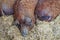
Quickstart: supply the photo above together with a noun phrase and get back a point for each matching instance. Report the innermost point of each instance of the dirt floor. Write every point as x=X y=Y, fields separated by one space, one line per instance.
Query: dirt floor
x=42 y=31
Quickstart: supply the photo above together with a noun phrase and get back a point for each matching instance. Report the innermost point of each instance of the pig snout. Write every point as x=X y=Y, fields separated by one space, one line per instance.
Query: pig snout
x=24 y=31
x=26 y=26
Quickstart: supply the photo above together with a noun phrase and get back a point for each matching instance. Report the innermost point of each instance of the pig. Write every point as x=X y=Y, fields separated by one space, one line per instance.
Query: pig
x=47 y=10
x=7 y=6
x=24 y=15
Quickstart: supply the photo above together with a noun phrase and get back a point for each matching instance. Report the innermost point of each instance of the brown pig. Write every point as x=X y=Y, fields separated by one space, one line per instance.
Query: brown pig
x=7 y=6
x=24 y=15
x=47 y=10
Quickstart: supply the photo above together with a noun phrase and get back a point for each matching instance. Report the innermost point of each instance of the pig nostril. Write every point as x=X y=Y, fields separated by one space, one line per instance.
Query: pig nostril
x=45 y=17
x=28 y=21
x=24 y=32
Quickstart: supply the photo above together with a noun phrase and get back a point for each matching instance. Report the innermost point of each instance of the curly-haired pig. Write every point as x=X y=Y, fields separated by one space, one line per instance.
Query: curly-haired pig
x=24 y=15
x=47 y=10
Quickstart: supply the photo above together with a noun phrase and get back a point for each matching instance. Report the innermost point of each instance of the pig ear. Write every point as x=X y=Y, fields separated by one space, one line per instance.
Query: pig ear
x=16 y=22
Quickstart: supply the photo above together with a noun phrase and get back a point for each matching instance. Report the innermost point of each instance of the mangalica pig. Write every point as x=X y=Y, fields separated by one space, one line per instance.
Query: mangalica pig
x=47 y=10
x=24 y=15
